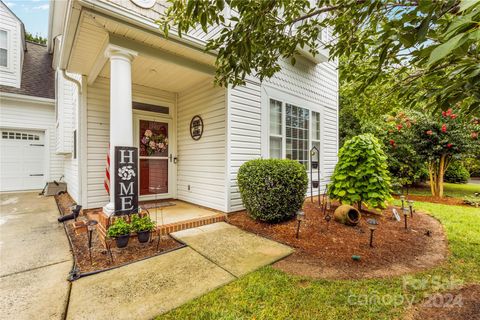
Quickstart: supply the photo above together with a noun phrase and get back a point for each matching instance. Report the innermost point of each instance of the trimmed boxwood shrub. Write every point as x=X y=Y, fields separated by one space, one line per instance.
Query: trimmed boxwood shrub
x=272 y=190
x=457 y=173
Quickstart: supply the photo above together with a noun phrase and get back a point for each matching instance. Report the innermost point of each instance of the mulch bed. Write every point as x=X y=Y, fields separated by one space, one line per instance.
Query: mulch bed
x=445 y=200
x=101 y=260
x=323 y=252
x=461 y=304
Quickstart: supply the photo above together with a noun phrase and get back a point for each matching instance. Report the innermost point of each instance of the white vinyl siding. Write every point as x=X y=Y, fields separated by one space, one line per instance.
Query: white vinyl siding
x=245 y=133
x=98 y=132
x=11 y=74
x=69 y=124
x=314 y=84
x=66 y=106
x=201 y=164
x=24 y=115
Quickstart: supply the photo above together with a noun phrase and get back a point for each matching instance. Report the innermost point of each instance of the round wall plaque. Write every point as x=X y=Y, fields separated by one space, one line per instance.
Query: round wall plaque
x=146 y=4
x=196 y=127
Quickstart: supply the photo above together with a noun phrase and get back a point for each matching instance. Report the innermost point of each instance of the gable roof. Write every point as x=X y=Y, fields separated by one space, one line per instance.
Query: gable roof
x=22 y=26
x=38 y=76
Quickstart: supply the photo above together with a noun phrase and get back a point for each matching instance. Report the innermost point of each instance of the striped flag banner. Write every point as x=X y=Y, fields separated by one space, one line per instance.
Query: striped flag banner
x=106 y=181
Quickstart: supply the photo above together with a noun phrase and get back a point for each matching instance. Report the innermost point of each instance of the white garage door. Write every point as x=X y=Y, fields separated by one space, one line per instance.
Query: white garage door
x=22 y=160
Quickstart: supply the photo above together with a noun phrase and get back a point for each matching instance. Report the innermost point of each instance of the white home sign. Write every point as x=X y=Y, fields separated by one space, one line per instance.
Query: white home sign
x=126 y=180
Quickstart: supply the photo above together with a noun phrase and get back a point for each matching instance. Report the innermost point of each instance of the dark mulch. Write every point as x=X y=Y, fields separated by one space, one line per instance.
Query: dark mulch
x=445 y=200
x=323 y=252
x=101 y=260
x=461 y=304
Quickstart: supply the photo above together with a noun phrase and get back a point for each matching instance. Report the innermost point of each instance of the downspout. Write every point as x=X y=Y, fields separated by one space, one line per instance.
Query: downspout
x=79 y=159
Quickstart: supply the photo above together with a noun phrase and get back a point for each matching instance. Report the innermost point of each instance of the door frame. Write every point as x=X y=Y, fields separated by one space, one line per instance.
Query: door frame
x=172 y=138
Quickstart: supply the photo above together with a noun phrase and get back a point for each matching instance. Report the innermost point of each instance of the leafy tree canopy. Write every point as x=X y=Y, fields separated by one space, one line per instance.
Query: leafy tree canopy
x=432 y=46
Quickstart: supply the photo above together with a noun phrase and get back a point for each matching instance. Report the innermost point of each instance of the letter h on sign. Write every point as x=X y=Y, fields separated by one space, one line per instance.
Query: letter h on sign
x=126 y=180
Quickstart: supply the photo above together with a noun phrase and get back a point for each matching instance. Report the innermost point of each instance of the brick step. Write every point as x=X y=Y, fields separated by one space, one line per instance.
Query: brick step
x=163 y=229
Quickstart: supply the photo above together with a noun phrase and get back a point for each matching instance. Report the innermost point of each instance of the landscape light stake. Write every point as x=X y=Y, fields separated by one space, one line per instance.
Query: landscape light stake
x=402 y=198
x=328 y=217
x=405 y=214
x=300 y=218
x=410 y=205
x=91 y=225
x=372 y=225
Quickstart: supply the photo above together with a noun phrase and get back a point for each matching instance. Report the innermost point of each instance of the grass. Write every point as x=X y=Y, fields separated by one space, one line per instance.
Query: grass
x=450 y=189
x=272 y=294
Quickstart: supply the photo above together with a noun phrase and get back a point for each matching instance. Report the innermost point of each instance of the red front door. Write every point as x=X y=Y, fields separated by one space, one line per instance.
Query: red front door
x=154 y=154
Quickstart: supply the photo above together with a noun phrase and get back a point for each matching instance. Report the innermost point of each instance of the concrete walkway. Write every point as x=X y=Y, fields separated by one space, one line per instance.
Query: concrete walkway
x=34 y=258
x=35 y=261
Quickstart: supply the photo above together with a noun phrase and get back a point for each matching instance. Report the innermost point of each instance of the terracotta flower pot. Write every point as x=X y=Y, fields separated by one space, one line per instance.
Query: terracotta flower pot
x=347 y=214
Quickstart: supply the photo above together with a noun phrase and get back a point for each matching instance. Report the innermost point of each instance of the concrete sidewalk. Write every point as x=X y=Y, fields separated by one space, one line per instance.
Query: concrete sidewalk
x=34 y=258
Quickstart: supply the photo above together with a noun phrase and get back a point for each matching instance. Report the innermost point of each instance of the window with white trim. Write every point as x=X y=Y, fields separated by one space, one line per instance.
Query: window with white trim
x=294 y=130
x=276 y=132
x=3 y=48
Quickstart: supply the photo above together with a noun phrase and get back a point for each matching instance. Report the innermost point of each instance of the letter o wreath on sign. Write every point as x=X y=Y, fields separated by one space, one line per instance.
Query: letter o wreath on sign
x=196 y=127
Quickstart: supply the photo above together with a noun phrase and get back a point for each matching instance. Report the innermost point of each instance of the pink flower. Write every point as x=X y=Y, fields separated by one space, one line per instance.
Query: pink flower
x=148 y=133
x=449 y=145
x=453 y=116
x=449 y=112
x=474 y=135
x=444 y=114
x=429 y=132
x=152 y=144
x=444 y=128
x=144 y=140
x=392 y=142
x=399 y=127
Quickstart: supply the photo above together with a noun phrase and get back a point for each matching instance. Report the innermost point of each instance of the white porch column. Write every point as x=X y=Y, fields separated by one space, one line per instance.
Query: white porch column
x=121 y=120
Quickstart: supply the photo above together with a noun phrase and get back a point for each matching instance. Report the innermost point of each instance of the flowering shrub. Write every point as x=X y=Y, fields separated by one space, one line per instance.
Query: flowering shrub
x=436 y=139
x=154 y=143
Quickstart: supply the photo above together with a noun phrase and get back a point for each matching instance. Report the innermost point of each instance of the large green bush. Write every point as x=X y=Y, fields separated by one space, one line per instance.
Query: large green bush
x=272 y=190
x=361 y=174
x=457 y=173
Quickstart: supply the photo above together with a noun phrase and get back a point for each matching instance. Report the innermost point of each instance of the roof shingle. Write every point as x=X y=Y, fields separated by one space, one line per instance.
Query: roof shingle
x=38 y=76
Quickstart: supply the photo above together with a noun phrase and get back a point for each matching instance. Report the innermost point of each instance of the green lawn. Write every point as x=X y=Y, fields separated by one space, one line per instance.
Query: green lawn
x=450 y=189
x=272 y=294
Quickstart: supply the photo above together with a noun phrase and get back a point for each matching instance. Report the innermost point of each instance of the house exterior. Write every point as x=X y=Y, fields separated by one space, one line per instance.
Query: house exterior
x=27 y=110
x=119 y=82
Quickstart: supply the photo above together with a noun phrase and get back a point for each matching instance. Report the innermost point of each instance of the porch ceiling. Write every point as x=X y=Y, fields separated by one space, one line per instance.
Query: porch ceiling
x=160 y=63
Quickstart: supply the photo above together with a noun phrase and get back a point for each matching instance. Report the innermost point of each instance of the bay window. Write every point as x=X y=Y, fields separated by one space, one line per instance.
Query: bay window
x=294 y=130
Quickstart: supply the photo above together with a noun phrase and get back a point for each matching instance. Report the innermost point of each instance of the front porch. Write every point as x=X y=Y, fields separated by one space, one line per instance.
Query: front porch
x=136 y=83
x=169 y=216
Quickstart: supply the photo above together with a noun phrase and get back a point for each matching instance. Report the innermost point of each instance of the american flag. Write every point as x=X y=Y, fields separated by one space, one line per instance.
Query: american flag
x=106 y=181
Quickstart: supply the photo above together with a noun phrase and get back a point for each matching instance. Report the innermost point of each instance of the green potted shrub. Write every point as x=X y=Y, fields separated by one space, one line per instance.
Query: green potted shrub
x=120 y=231
x=143 y=226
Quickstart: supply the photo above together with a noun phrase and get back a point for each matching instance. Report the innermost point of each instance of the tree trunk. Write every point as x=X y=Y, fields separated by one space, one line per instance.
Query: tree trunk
x=359 y=205
x=441 y=173
x=432 y=179
x=436 y=172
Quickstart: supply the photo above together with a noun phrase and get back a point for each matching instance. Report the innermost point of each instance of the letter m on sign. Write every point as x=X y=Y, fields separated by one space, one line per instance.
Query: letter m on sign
x=126 y=180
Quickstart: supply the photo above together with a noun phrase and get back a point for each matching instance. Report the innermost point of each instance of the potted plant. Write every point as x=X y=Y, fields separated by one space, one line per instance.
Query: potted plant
x=143 y=226
x=120 y=231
